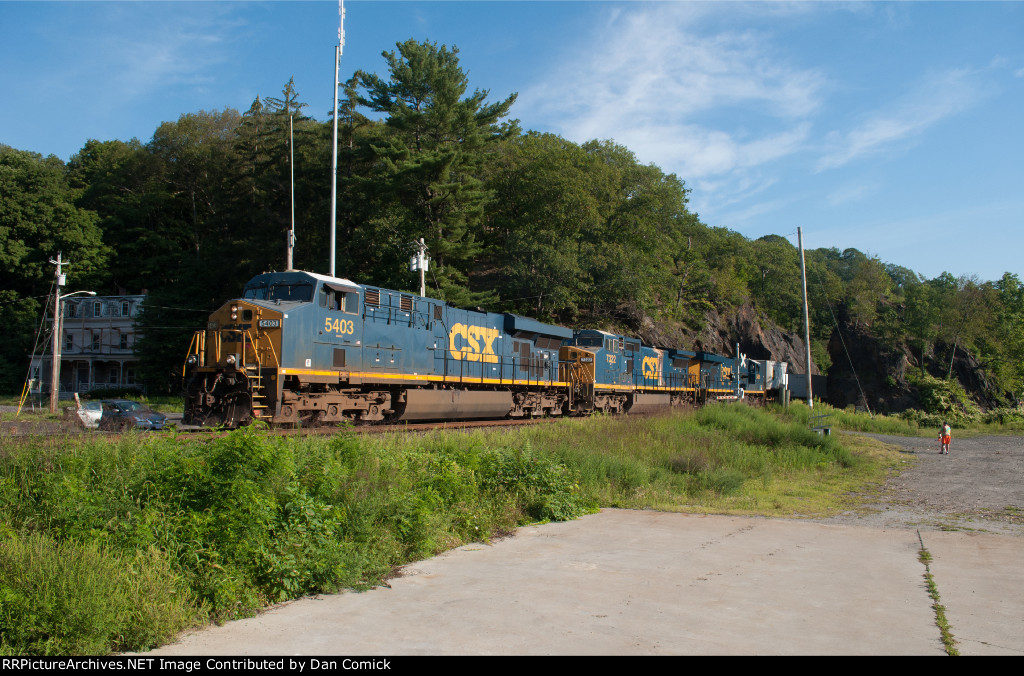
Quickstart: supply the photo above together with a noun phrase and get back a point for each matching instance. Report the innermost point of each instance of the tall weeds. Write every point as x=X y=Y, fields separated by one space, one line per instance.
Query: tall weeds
x=226 y=526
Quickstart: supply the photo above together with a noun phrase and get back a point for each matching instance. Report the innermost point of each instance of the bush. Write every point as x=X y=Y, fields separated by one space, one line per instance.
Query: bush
x=545 y=489
x=70 y=598
x=945 y=400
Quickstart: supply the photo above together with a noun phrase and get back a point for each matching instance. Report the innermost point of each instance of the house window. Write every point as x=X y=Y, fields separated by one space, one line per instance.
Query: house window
x=69 y=341
x=73 y=310
x=129 y=377
x=112 y=379
x=124 y=341
x=126 y=307
x=97 y=309
x=96 y=340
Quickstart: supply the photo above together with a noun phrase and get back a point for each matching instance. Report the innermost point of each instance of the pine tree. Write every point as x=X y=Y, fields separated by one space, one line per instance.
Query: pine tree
x=430 y=162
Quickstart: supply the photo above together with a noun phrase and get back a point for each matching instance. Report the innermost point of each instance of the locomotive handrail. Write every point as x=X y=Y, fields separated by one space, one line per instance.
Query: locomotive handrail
x=201 y=351
x=256 y=348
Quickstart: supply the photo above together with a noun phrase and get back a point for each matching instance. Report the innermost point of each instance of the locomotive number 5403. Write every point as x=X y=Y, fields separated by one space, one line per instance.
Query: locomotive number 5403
x=338 y=326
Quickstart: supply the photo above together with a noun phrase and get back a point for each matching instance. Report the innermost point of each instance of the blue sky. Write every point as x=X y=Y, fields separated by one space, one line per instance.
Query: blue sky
x=894 y=128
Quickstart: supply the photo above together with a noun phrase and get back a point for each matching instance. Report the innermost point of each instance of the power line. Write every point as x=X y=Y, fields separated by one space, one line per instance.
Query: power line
x=843 y=341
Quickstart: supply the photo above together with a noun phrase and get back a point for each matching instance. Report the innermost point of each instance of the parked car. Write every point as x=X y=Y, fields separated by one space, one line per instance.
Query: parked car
x=122 y=414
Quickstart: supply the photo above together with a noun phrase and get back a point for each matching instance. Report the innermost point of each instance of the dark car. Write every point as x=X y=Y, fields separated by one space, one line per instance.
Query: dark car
x=122 y=414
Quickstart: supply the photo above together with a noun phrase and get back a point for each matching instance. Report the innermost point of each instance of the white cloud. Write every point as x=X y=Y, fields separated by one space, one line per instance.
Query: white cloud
x=852 y=192
x=146 y=49
x=935 y=99
x=653 y=81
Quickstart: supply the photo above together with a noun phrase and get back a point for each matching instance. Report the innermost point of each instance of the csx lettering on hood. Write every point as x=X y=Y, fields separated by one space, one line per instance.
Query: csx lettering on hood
x=472 y=343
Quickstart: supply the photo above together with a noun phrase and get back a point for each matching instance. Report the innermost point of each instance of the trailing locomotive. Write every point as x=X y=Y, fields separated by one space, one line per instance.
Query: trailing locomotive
x=299 y=348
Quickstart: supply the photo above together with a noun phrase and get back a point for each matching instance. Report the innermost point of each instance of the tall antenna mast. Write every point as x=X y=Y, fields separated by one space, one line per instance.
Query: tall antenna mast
x=291 y=162
x=334 y=146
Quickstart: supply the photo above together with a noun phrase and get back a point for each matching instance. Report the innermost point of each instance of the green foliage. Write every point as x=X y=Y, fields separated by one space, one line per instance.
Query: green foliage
x=430 y=163
x=128 y=392
x=38 y=221
x=793 y=443
x=586 y=233
x=945 y=399
x=71 y=598
x=546 y=490
x=227 y=525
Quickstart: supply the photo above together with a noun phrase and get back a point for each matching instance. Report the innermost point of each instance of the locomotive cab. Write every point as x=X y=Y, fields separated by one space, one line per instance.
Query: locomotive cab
x=232 y=365
x=237 y=367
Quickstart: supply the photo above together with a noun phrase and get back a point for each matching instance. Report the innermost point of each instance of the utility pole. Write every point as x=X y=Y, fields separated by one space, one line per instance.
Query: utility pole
x=58 y=329
x=420 y=262
x=55 y=352
x=807 y=317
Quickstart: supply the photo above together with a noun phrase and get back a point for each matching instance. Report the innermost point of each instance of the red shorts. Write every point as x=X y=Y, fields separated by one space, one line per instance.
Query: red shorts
x=946 y=439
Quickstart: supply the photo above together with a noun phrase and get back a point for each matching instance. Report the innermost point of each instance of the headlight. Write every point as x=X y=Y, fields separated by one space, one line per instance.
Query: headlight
x=193 y=359
x=230 y=361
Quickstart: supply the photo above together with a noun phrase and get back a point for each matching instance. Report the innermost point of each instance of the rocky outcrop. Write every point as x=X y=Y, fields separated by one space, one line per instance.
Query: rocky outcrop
x=878 y=377
x=880 y=369
x=757 y=336
x=968 y=370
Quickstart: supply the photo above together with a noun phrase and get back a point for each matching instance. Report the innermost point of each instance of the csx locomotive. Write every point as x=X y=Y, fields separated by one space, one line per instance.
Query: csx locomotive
x=303 y=349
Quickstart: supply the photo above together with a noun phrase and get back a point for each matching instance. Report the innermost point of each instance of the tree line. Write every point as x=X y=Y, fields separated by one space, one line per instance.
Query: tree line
x=514 y=220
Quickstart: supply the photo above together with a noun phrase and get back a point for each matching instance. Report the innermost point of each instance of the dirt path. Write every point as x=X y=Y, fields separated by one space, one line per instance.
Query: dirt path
x=978 y=486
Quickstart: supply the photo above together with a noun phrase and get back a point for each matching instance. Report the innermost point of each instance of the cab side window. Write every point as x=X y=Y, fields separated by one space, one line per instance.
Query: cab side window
x=340 y=301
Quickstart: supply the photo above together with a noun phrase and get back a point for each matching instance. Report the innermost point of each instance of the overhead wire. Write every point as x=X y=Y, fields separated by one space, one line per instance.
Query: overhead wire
x=849 y=359
x=35 y=348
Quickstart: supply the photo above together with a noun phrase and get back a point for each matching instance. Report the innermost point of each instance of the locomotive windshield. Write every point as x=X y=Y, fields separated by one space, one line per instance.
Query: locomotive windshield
x=590 y=341
x=301 y=292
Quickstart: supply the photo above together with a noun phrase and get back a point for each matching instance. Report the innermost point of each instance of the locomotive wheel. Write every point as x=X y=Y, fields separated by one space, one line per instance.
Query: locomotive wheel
x=310 y=418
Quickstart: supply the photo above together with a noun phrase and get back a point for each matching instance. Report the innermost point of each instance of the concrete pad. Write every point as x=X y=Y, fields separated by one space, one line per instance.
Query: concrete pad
x=980 y=579
x=625 y=583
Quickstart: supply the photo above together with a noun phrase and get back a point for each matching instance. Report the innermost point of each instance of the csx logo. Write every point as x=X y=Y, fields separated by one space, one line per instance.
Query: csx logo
x=652 y=367
x=472 y=343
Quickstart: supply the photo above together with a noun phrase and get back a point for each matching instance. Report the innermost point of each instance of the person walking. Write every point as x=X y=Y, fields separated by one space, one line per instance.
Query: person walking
x=944 y=438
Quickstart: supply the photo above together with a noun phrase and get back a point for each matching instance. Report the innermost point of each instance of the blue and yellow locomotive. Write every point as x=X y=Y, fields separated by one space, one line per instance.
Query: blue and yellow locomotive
x=302 y=348
x=299 y=348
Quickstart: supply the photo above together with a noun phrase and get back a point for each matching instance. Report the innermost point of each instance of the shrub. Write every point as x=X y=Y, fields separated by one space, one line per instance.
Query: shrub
x=545 y=489
x=70 y=598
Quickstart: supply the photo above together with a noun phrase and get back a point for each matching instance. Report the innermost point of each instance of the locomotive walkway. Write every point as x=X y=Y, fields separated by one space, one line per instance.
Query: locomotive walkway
x=643 y=583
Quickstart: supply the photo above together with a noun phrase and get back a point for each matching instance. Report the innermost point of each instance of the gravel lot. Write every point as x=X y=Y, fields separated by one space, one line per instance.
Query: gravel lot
x=978 y=486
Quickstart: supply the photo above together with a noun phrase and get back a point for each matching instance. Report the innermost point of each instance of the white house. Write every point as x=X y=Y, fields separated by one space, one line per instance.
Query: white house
x=97 y=345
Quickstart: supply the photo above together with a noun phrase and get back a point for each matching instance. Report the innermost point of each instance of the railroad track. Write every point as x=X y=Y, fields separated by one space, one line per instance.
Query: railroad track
x=28 y=428
x=397 y=427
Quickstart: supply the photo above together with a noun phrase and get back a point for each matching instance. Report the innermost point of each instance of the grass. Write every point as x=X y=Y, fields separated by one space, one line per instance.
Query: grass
x=941 y=621
x=721 y=459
